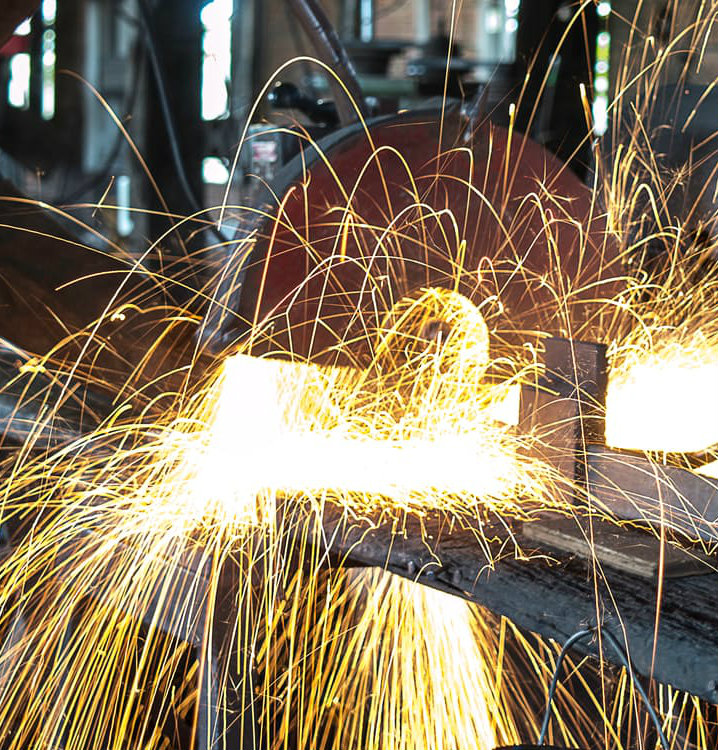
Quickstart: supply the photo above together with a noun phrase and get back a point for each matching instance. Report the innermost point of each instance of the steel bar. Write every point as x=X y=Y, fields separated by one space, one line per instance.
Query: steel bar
x=635 y=488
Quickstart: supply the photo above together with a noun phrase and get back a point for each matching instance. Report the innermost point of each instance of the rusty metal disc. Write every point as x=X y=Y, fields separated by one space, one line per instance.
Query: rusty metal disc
x=370 y=215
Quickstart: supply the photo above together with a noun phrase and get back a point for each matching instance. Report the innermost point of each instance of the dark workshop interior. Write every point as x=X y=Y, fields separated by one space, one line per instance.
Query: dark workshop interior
x=358 y=374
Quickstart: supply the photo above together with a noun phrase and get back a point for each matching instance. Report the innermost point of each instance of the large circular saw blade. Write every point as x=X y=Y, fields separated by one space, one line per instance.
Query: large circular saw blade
x=373 y=213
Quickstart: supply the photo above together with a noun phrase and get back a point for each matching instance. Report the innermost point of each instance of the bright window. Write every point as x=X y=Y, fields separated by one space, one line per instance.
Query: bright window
x=217 y=58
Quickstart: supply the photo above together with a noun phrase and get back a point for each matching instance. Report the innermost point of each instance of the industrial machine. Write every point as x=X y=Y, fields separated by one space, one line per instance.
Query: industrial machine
x=470 y=198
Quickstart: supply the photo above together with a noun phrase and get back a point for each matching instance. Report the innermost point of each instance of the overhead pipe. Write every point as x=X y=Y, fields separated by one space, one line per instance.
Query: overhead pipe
x=332 y=53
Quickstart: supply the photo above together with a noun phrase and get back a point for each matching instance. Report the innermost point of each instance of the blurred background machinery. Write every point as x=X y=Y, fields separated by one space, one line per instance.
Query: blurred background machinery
x=181 y=77
x=201 y=65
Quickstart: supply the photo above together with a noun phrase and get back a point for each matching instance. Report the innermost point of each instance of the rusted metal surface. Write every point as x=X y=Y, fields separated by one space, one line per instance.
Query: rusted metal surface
x=12 y=13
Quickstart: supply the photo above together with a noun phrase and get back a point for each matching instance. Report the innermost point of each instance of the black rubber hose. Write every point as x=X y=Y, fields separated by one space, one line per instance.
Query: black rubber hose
x=332 y=53
x=623 y=660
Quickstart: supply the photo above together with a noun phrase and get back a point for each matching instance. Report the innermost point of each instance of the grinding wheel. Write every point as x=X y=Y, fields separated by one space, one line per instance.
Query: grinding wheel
x=488 y=213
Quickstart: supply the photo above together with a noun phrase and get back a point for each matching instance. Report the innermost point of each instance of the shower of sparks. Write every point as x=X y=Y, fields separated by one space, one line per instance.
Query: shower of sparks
x=160 y=554
x=416 y=430
x=140 y=517
x=377 y=693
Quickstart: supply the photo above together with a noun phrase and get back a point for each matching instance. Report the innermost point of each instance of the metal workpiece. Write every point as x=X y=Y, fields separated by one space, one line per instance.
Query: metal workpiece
x=554 y=593
x=565 y=409
x=635 y=488
x=563 y=415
